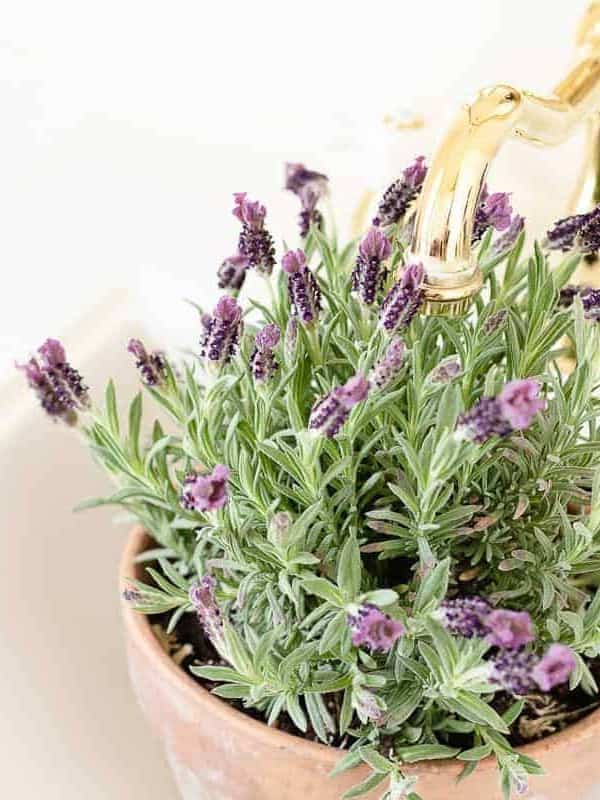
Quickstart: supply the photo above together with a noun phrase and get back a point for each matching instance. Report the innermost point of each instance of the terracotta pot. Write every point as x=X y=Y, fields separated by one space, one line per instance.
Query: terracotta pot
x=218 y=753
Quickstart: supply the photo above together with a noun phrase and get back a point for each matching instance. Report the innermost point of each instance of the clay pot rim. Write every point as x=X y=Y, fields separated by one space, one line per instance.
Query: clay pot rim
x=137 y=626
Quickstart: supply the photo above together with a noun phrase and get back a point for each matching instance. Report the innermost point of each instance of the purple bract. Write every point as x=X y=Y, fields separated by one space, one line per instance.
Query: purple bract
x=206 y=492
x=398 y=197
x=374 y=629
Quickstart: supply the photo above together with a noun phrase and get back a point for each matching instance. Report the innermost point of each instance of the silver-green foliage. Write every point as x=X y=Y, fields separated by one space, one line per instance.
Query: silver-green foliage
x=391 y=511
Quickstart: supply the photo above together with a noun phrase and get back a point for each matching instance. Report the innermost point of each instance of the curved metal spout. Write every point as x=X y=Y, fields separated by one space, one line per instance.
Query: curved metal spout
x=449 y=199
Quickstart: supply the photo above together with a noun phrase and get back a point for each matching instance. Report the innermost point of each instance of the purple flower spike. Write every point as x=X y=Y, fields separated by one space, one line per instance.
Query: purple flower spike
x=465 y=616
x=513 y=671
x=250 y=213
x=232 y=272
x=262 y=361
x=483 y=421
x=590 y=299
x=310 y=187
x=331 y=412
x=58 y=386
x=403 y=301
x=303 y=289
x=373 y=629
x=151 y=366
x=255 y=242
x=495 y=322
x=369 y=277
x=398 y=197
x=519 y=402
x=515 y=408
x=206 y=492
x=580 y=232
x=298 y=177
x=555 y=667
x=222 y=331
x=387 y=369
x=354 y=391
x=494 y=211
x=446 y=371
x=508 y=239
x=268 y=338
x=202 y=597
x=509 y=630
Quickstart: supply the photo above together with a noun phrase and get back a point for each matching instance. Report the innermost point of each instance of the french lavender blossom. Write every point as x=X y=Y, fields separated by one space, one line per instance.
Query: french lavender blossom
x=446 y=371
x=509 y=238
x=465 y=616
x=310 y=187
x=298 y=177
x=555 y=667
x=509 y=630
x=58 y=386
x=513 y=409
x=590 y=300
x=374 y=629
x=303 y=289
x=151 y=366
x=255 y=242
x=398 y=197
x=493 y=211
x=513 y=671
x=263 y=363
x=206 y=492
x=495 y=322
x=403 y=300
x=232 y=272
x=331 y=412
x=369 y=275
x=519 y=402
x=520 y=672
x=384 y=372
x=202 y=597
x=483 y=421
x=579 y=232
x=222 y=331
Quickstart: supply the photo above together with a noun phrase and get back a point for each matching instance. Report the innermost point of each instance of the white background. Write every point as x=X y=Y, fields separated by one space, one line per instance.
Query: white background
x=125 y=127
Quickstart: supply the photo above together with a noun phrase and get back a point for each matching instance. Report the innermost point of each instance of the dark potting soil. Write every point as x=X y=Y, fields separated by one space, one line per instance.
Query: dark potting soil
x=189 y=647
x=543 y=715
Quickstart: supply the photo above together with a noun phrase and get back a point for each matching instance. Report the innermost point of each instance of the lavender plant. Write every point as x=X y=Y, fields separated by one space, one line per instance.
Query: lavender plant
x=387 y=525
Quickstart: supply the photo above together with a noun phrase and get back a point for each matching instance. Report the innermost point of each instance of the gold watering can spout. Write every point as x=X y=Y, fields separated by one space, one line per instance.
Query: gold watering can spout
x=450 y=195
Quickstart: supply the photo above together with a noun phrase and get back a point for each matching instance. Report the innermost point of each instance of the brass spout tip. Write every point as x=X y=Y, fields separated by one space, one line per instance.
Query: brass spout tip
x=437 y=307
x=449 y=288
x=454 y=297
